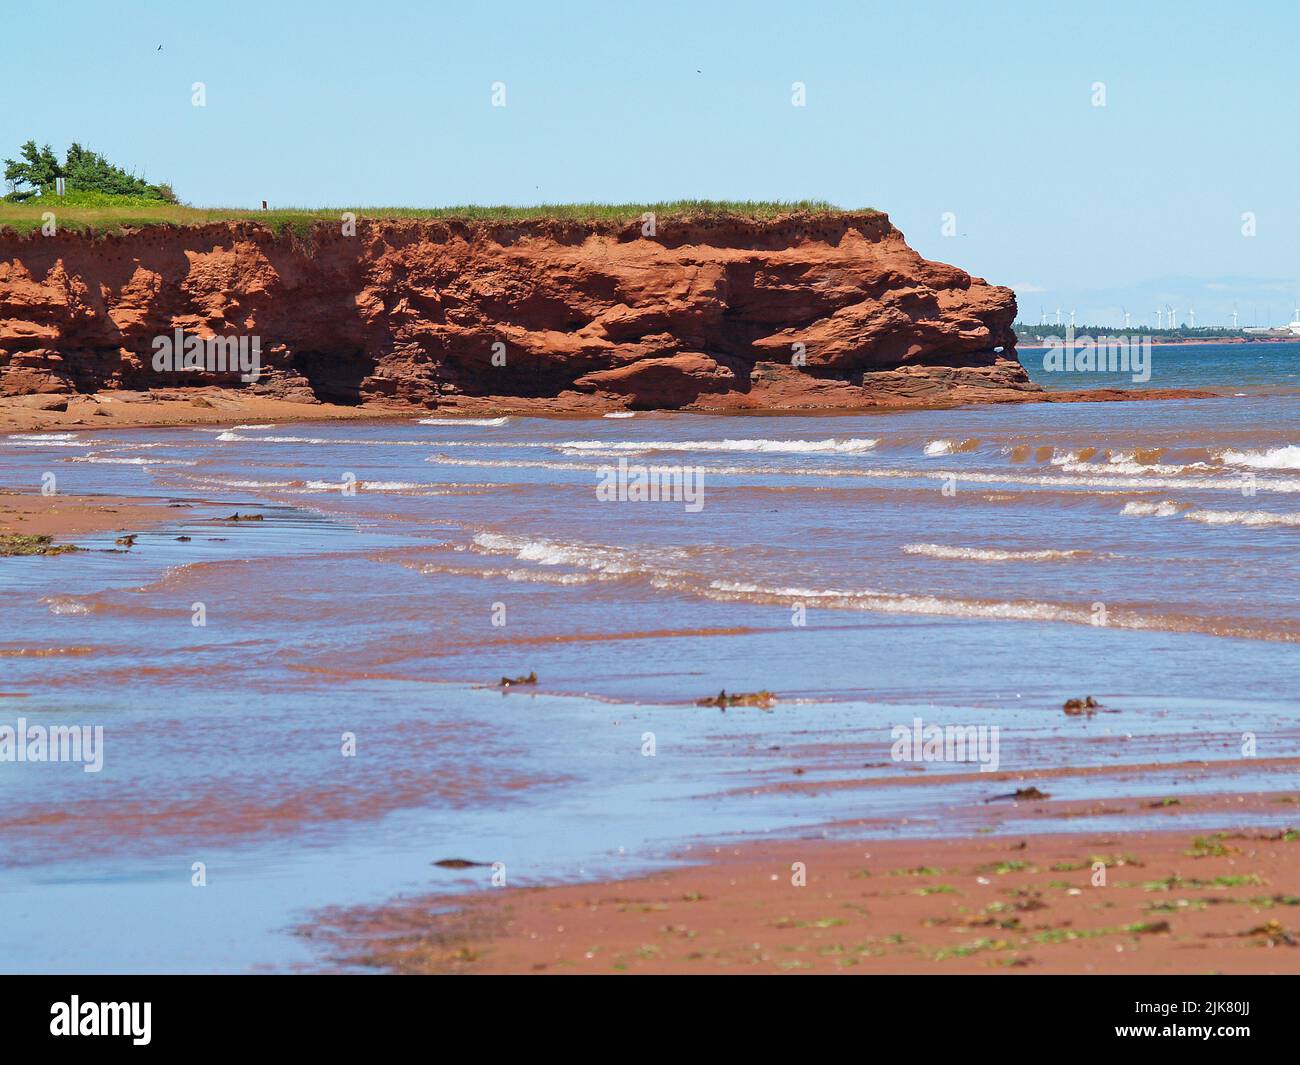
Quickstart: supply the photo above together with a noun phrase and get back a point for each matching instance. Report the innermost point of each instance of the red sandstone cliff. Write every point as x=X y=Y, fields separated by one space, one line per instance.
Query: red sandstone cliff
x=705 y=315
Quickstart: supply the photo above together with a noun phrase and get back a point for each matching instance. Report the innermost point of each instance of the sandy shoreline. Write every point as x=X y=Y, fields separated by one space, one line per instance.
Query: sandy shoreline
x=215 y=406
x=203 y=406
x=1099 y=902
x=65 y=516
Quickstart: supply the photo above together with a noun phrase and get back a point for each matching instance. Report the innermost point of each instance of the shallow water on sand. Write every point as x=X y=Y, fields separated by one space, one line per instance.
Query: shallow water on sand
x=975 y=566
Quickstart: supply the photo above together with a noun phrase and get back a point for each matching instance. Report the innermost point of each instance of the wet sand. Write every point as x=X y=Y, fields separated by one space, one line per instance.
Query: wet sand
x=137 y=410
x=218 y=406
x=1106 y=902
x=65 y=516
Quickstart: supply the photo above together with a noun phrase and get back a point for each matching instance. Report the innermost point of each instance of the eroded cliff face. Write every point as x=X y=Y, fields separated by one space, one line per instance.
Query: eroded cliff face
x=806 y=311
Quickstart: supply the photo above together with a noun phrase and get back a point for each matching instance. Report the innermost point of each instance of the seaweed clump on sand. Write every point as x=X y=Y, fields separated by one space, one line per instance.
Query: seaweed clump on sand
x=1078 y=707
x=1273 y=933
x=763 y=699
x=15 y=545
x=510 y=682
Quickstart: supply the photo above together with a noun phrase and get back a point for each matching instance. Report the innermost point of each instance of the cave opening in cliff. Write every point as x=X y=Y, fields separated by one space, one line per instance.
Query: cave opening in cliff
x=334 y=377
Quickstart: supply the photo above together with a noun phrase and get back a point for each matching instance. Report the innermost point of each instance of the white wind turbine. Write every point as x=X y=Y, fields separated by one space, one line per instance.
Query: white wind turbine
x=1160 y=322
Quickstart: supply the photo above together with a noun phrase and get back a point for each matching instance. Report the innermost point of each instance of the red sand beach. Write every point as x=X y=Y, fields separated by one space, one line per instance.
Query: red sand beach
x=1171 y=902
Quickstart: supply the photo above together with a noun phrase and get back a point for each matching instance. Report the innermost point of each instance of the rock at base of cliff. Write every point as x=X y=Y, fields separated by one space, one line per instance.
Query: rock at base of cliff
x=670 y=382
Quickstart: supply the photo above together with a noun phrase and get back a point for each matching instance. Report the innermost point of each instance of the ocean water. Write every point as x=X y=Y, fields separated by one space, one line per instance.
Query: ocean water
x=975 y=566
x=1250 y=369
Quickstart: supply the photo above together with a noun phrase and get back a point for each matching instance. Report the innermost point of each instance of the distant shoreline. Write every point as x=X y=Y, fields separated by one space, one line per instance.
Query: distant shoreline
x=1155 y=342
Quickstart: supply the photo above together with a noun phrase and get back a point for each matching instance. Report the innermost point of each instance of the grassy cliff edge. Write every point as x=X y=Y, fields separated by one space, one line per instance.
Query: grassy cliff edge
x=100 y=213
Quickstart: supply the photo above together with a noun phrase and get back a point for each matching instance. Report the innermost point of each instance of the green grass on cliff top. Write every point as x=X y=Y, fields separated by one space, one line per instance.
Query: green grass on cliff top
x=108 y=214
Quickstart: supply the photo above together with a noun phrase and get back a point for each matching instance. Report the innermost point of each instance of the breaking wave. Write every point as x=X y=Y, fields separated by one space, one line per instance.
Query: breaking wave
x=63 y=605
x=464 y=421
x=608 y=560
x=853 y=446
x=100 y=460
x=1241 y=517
x=1004 y=610
x=1166 y=509
x=985 y=554
x=949 y=447
x=1277 y=458
x=671 y=573
x=1169 y=509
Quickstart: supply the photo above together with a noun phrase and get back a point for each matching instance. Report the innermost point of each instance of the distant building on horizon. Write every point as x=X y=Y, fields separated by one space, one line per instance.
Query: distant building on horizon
x=1291 y=329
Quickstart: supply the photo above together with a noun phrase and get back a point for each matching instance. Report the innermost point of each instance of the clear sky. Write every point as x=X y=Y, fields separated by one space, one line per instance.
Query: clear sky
x=917 y=108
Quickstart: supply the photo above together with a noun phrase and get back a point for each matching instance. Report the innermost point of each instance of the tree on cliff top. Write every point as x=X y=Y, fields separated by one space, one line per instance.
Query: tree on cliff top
x=84 y=171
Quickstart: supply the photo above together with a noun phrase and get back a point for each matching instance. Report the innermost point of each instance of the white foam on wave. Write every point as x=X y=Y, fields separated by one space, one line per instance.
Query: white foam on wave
x=335 y=487
x=1123 y=463
x=1109 y=483
x=513 y=464
x=986 y=554
x=1009 y=610
x=620 y=414
x=100 y=460
x=531 y=576
x=229 y=436
x=46 y=440
x=949 y=447
x=1166 y=509
x=852 y=446
x=1101 y=476
x=612 y=563
x=373 y=486
x=1277 y=458
x=586 y=467
x=229 y=482
x=904 y=603
x=464 y=421
x=554 y=553
x=1241 y=517
x=268 y=425
x=61 y=605
x=615 y=562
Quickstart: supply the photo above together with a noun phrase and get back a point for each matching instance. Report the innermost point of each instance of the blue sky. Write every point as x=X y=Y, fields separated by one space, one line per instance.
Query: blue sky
x=916 y=108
